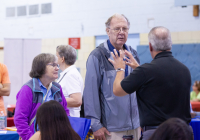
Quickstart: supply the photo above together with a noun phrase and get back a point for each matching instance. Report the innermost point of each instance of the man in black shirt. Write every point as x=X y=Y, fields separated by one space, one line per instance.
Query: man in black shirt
x=162 y=86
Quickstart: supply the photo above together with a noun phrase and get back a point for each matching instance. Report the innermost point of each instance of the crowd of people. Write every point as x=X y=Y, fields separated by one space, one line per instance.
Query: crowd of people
x=121 y=97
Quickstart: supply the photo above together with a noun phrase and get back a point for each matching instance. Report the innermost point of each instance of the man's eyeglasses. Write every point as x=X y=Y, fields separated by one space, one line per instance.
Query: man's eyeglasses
x=118 y=29
x=54 y=64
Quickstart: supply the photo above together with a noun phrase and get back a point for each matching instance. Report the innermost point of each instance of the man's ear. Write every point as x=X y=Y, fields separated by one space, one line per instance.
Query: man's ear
x=150 y=47
x=108 y=31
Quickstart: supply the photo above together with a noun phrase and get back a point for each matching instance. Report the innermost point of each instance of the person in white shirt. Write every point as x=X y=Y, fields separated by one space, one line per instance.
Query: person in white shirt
x=70 y=78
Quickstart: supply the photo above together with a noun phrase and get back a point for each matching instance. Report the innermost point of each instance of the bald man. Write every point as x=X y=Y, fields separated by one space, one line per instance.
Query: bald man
x=162 y=86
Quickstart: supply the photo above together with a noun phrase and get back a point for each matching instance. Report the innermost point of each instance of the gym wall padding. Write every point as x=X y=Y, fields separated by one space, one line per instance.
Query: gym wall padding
x=188 y=54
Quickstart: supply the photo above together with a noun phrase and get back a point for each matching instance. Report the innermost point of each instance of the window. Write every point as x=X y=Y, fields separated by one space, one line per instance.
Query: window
x=21 y=11
x=10 y=12
x=30 y=10
x=46 y=8
x=33 y=9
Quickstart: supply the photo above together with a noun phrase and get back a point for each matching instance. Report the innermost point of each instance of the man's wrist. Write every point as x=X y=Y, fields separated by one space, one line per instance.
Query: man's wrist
x=120 y=69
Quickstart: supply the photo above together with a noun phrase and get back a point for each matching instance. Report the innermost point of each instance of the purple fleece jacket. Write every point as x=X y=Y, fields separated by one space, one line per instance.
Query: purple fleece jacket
x=26 y=108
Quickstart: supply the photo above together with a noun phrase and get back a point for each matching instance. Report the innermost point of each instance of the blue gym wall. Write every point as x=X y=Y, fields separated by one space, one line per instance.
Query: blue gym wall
x=188 y=54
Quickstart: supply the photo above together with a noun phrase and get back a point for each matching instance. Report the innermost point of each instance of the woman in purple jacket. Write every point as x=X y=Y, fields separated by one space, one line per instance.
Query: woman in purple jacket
x=39 y=89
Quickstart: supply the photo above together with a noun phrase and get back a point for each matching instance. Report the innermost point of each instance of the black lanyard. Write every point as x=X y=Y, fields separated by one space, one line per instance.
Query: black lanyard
x=62 y=77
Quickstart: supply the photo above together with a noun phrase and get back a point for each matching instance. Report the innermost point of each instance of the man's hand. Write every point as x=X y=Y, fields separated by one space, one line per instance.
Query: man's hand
x=118 y=61
x=131 y=61
x=100 y=134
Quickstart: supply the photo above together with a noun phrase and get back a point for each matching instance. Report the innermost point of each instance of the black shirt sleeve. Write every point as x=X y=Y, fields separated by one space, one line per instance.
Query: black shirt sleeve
x=134 y=81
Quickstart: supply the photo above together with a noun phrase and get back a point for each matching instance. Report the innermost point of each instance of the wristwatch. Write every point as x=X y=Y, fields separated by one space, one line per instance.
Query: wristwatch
x=120 y=69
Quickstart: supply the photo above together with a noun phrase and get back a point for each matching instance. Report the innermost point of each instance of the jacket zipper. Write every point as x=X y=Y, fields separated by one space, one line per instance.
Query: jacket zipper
x=131 y=111
x=130 y=104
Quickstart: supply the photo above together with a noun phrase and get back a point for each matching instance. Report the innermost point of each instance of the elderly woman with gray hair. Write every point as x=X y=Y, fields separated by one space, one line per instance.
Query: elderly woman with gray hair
x=70 y=79
x=41 y=88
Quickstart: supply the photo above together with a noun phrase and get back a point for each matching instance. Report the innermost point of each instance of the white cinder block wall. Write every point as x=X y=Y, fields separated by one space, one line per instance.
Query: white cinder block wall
x=75 y=18
x=86 y=19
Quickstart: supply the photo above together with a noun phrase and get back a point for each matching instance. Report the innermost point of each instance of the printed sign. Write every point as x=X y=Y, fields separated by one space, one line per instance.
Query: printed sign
x=75 y=42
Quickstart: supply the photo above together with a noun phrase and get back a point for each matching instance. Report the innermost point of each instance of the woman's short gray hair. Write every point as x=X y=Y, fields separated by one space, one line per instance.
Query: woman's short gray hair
x=160 y=38
x=116 y=15
x=68 y=52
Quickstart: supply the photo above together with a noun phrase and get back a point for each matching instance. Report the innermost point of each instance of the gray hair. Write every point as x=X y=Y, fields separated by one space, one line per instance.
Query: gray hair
x=68 y=52
x=116 y=15
x=160 y=38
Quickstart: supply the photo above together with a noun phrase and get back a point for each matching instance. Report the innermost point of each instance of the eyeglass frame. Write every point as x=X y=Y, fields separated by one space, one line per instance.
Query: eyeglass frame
x=116 y=30
x=54 y=65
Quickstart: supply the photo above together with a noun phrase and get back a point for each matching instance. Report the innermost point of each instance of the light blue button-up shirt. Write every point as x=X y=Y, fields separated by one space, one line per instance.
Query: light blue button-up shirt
x=44 y=90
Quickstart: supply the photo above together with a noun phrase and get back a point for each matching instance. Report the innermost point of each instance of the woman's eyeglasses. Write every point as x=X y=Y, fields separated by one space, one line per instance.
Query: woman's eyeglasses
x=54 y=64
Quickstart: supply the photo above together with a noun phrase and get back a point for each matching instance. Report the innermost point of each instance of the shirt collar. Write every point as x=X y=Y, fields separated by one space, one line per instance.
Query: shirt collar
x=111 y=47
x=67 y=69
x=163 y=54
x=41 y=85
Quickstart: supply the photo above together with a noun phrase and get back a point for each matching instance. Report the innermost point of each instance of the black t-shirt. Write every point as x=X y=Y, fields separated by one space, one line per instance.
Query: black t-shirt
x=162 y=88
